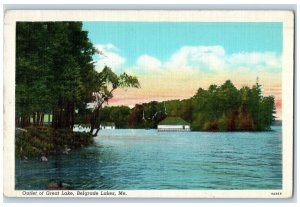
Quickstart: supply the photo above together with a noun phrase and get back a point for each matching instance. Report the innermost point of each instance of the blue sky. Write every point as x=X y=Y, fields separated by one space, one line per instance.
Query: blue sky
x=161 y=39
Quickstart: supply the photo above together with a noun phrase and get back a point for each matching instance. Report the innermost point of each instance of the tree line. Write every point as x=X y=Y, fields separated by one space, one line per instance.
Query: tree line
x=219 y=108
x=55 y=74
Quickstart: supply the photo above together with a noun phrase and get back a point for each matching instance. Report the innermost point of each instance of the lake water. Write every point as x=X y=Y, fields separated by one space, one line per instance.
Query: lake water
x=147 y=159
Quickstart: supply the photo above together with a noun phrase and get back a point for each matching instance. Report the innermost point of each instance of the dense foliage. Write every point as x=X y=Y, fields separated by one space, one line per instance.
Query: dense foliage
x=54 y=71
x=219 y=108
x=226 y=108
x=109 y=82
x=55 y=74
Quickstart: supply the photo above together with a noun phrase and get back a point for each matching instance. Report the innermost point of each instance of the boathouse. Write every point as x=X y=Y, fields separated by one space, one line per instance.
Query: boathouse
x=173 y=124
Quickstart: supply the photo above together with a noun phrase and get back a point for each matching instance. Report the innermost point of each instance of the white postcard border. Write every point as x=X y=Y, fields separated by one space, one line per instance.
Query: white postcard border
x=287 y=17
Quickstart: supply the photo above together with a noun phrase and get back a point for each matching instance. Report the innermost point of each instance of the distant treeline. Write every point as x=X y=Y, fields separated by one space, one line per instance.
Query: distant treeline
x=219 y=108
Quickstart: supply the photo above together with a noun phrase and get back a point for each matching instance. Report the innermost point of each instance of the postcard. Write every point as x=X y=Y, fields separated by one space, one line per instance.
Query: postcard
x=148 y=104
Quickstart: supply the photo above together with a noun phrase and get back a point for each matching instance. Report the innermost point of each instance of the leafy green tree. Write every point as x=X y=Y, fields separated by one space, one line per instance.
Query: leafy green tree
x=54 y=71
x=223 y=122
x=137 y=117
x=72 y=55
x=109 y=82
x=119 y=115
x=266 y=111
x=255 y=98
x=33 y=72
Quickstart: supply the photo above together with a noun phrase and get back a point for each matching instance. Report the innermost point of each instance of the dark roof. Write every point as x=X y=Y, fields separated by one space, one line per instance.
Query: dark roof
x=173 y=121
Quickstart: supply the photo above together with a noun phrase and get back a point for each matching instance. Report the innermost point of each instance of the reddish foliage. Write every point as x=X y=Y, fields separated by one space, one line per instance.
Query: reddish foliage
x=213 y=126
x=232 y=121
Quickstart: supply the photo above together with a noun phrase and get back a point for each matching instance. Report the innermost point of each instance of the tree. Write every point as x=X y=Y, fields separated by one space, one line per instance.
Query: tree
x=137 y=117
x=223 y=122
x=254 y=99
x=109 y=82
x=74 y=67
x=244 y=109
x=54 y=72
x=266 y=111
x=117 y=114
x=33 y=72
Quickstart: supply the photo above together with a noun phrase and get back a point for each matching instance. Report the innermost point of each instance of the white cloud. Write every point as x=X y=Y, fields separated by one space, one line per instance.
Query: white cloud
x=109 y=55
x=147 y=62
x=256 y=61
x=210 y=59
x=197 y=57
x=107 y=47
x=191 y=60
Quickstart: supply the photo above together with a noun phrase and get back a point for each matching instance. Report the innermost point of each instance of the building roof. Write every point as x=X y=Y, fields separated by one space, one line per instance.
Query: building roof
x=173 y=121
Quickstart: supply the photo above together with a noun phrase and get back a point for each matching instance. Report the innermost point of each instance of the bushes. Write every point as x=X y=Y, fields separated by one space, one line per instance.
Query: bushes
x=37 y=141
x=64 y=137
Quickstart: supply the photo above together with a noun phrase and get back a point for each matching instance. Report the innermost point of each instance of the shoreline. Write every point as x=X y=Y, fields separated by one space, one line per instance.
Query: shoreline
x=42 y=141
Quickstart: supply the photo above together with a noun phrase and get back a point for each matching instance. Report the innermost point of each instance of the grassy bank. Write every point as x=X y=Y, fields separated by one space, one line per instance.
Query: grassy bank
x=42 y=141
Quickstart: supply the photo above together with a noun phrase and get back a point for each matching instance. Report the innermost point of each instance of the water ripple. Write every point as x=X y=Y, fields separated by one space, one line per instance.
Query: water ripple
x=146 y=159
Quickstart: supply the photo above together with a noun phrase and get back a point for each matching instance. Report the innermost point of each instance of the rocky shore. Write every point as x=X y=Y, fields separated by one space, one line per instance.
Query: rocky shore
x=39 y=142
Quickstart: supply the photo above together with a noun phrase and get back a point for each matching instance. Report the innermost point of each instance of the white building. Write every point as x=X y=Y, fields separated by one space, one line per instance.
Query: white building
x=92 y=105
x=108 y=125
x=173 y=124
x=82 y=128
